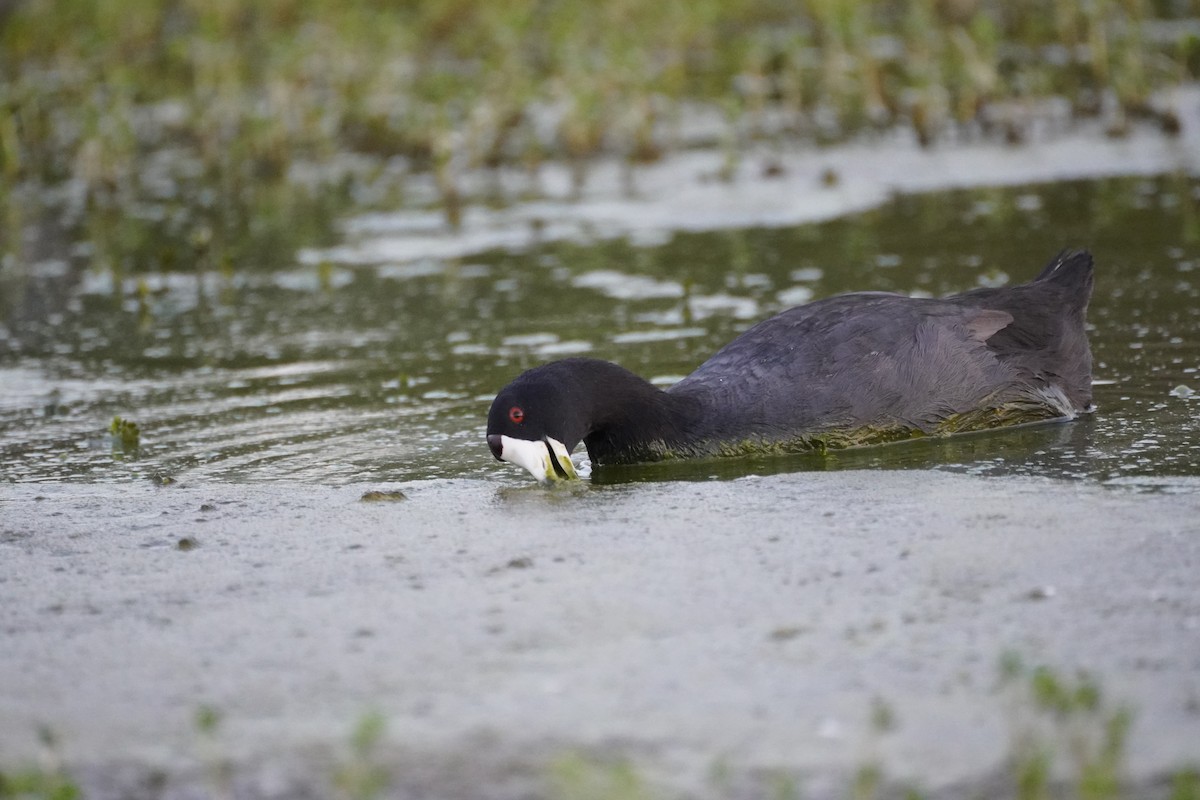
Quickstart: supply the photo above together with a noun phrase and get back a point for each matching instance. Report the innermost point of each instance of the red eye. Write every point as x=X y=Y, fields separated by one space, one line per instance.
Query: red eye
x=516 y=414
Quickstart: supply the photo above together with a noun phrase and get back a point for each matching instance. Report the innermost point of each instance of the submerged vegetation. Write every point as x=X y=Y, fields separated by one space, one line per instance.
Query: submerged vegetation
x=179 y=134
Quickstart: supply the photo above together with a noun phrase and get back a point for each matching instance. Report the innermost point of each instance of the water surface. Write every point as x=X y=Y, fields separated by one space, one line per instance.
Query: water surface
x=339 y=373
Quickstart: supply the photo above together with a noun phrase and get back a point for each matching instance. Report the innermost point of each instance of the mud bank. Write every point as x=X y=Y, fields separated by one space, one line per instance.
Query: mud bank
x=717 y=635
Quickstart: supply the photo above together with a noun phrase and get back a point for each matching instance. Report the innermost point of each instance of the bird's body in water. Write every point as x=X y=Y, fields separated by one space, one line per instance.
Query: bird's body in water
x=858 y=368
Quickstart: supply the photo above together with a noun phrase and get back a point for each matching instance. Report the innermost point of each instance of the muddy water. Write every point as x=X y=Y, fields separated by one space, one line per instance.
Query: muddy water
x=338 y=373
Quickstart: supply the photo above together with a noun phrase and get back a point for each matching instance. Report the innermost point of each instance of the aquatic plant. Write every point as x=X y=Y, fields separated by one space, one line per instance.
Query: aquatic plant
x=125 y=433
x=48 y=781
x=1055 y=715
x=1185 y=785
x=37 y=784
x=362 y=777
x=218 y=768
x=189 y=134
x=574 y=776
x=1070 y=720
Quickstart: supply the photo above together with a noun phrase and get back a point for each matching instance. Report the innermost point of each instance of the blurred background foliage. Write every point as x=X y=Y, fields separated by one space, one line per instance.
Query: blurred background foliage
x=171 y=133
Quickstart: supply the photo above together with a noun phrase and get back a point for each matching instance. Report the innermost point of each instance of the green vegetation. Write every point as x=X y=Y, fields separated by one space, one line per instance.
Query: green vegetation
x=1054 y=716
x=185 y=134
x=362 y=777
x=36 y=784
x=1186 y=785
x=575 y=777
x=218 y=768
x=125 y=434
x=1071 y=720
x=48 y=781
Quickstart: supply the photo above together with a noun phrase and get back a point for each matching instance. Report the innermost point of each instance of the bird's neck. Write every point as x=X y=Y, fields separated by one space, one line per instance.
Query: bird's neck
x=633 y=420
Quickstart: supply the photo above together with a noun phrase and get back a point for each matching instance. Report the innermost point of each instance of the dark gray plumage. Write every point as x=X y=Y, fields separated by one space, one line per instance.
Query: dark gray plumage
x=853 y=369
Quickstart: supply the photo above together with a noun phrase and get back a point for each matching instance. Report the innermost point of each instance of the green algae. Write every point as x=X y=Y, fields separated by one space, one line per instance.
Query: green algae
x=125 y=433
x=827 y=442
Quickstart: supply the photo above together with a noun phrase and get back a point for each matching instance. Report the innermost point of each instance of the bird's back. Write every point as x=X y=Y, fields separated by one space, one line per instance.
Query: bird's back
x=890 y=363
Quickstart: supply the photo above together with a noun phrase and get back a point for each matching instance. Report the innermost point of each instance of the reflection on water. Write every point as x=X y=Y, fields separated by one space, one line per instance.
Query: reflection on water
x=384 y=372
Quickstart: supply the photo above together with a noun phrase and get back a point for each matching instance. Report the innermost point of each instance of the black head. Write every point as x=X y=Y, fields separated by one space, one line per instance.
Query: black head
x=539 y=407
x=533 y=407
x=554 y=407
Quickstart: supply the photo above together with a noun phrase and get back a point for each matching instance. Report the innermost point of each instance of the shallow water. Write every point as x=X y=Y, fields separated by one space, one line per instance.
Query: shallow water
x=384 y=372
x=787 y=601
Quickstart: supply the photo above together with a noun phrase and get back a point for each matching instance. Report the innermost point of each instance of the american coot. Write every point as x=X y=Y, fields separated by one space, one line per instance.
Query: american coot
x=854 y=369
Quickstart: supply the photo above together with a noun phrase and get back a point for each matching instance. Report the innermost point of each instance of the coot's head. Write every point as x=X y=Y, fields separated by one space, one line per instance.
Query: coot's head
x=533 y=423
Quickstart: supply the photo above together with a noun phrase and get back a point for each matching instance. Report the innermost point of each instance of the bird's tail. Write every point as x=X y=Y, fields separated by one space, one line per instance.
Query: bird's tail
x=1070 y=269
